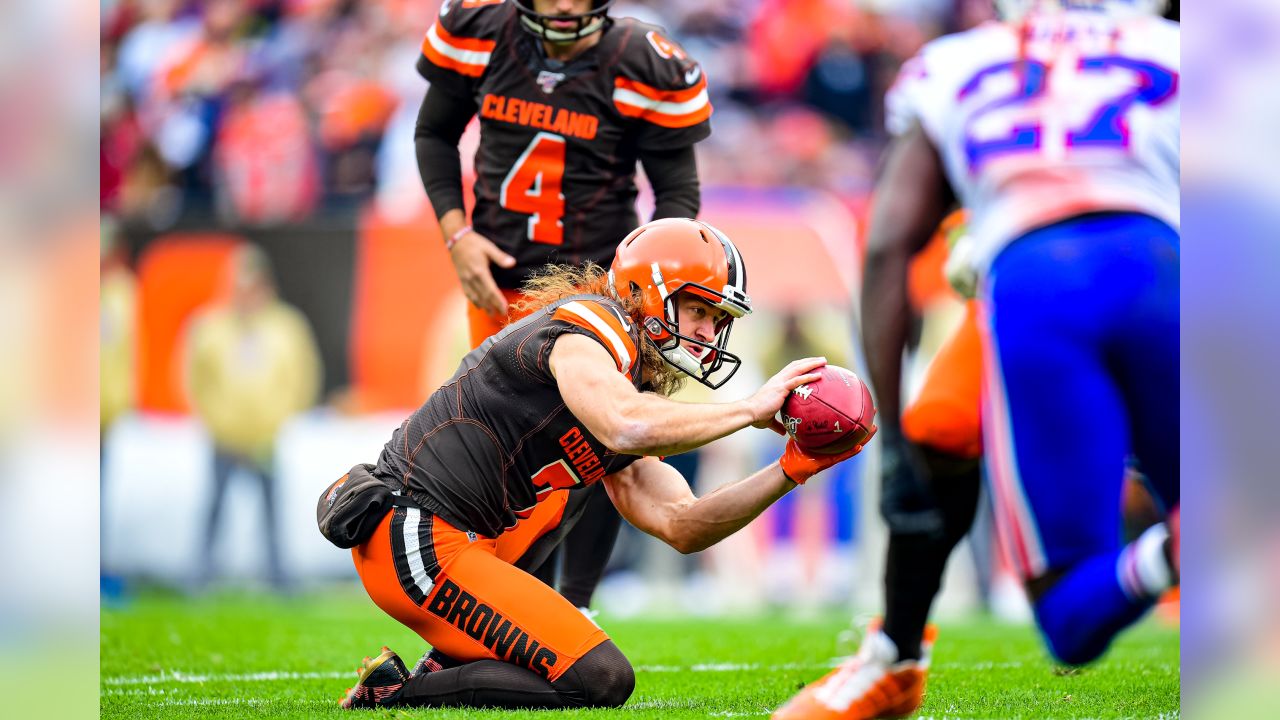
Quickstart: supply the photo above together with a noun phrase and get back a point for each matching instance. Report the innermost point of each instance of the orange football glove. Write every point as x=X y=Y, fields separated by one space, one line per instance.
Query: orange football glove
x=799 y=465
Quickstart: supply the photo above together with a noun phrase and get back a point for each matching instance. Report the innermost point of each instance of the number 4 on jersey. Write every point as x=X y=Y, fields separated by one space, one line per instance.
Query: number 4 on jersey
x=533 y=188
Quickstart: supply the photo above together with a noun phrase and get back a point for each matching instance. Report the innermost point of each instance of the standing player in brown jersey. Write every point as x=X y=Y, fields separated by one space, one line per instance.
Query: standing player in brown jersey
x=569 y=100
x=591 y=367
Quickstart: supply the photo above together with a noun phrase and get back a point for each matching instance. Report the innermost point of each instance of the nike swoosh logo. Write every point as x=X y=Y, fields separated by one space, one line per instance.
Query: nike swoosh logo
x=691 y=77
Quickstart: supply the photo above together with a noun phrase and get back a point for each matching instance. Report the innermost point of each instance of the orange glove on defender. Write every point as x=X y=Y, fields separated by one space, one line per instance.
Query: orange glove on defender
x=799 y=465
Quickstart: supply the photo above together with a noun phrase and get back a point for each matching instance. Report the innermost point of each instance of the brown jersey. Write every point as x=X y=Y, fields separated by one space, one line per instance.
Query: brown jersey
x=497 y=438
x=556 y=164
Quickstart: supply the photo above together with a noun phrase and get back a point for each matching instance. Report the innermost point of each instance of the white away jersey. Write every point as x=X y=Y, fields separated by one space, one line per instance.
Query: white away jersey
x=1038 y=121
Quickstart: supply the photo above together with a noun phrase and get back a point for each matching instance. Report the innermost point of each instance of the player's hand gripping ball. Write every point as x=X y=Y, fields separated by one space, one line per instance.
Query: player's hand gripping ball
x=831 y=415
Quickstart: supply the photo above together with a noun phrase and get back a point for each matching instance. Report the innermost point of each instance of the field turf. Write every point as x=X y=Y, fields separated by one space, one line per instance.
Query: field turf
x=239 y=655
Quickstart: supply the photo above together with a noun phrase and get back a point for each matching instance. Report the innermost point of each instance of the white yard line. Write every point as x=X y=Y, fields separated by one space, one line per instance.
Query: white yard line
x=251 y=702
x=175 y=677
x=168 y=677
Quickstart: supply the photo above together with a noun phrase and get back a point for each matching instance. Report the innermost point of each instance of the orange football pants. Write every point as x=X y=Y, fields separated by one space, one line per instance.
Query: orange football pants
x=461 y=594
x=482 y=324
x=945 y=414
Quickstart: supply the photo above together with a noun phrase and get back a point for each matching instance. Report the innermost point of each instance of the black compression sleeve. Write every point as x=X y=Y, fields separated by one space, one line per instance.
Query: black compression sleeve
x=441 y=121
x=674 y=177
x=601 y=678
x=916 y=560
x=483 y=683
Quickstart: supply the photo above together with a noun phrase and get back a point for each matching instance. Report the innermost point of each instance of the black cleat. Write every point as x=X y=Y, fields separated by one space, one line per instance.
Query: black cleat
x=432 y=661
x=380 y=678
x=428 y=664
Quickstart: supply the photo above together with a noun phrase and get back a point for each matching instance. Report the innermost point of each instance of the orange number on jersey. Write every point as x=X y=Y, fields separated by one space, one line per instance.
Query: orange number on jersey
x=554 y=476
x=533 y=188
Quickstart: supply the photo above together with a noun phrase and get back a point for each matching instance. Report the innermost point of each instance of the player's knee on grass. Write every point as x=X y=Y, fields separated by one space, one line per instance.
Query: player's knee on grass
x=1068 y=643
x=601 y=678
x=1070 y=640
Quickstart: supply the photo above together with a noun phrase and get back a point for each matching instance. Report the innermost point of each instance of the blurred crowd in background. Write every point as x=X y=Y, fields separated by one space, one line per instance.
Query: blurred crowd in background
x=264 y=110
x=254 y=117
x=170 y=79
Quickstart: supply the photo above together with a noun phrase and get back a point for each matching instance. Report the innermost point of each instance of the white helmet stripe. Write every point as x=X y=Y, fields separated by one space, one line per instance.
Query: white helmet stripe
x=737 y=269
x=739 y=277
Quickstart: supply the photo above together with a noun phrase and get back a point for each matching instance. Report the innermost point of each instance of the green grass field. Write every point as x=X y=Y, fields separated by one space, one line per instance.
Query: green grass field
x=235 y=656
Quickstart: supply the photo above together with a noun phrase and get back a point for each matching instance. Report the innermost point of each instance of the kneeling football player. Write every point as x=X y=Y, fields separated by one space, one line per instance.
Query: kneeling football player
x=574 y=394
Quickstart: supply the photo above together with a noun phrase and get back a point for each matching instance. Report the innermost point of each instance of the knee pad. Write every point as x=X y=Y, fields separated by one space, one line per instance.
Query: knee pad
x=907 y=503
x=955 y=483
x=601 y=678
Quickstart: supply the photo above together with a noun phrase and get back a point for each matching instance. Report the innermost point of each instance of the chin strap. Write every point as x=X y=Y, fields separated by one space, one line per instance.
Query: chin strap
x=799 y=465
x=556 y=36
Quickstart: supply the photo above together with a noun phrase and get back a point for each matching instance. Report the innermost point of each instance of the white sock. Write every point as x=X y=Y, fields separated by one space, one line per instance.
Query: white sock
x=1143 y=569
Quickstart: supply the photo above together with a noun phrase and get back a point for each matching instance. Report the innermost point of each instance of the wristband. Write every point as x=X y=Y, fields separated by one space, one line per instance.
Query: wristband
x=453 y=239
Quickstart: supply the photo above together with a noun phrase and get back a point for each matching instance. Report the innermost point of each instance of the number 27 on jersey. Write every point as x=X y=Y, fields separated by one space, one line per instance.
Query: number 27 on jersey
x=1107 y=123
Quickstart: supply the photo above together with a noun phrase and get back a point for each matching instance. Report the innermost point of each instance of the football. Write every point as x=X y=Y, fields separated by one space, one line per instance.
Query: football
x=830 y=415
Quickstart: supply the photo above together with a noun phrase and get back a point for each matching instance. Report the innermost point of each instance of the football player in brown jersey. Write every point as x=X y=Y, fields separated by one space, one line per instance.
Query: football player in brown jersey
x=573 y=394
x=568 y=100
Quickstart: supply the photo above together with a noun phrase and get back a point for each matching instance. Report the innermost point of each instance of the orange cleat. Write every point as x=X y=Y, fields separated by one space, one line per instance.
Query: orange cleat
x=871 y=684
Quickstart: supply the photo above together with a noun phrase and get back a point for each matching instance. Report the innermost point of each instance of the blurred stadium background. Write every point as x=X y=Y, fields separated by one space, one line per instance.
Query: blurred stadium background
x=60 y=100
x=287 y=125
x=330 y=193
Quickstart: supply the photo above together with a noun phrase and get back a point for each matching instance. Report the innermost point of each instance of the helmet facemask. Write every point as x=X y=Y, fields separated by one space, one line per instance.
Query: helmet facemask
x=538 y=24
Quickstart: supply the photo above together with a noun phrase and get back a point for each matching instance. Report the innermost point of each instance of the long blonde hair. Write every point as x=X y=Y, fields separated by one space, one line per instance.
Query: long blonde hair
x=554 y=282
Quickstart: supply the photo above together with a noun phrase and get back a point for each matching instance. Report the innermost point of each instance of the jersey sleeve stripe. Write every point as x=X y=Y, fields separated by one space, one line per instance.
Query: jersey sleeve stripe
x=653 y=93
x=619 y=330
x=467 y=56
x=674 y=108
x=603 y=326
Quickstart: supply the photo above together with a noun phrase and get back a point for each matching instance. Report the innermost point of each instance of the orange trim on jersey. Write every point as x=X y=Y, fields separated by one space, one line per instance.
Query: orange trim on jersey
x=668 y=121
x=464 y=43
x=459 y=45
x=568 y=314
x=659 y=106
x=654 y=93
